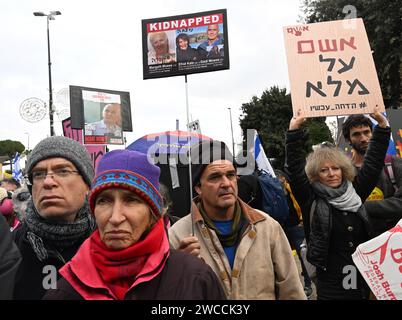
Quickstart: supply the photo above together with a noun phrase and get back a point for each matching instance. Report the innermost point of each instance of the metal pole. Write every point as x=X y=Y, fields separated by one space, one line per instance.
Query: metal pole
x=231 y=128
x=337 y=132
x=189 y=159
x=27 y=133
x=50 y=81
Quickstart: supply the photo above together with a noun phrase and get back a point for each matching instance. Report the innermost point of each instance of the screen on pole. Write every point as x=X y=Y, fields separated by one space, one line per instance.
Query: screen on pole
x=185 y=44
x=102 y=114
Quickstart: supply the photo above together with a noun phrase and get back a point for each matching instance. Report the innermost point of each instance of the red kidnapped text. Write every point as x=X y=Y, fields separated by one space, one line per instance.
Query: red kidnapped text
x=184 y=23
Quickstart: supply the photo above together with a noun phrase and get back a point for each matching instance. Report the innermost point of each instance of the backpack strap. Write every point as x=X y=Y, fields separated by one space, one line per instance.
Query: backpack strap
x=390 y=173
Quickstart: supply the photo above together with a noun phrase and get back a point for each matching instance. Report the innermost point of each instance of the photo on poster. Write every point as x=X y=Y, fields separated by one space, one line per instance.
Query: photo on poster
x=102 y=117
x=102 y=114
x=185 y=44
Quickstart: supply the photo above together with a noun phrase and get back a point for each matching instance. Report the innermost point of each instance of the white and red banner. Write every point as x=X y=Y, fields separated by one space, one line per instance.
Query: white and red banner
x=380 y=262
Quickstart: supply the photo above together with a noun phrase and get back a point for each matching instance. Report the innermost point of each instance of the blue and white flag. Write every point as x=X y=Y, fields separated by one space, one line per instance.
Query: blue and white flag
x=260 y=157
x=17 y=171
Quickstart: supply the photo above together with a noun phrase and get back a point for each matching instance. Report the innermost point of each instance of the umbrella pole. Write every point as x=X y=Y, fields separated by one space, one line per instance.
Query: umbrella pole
x=189 y=159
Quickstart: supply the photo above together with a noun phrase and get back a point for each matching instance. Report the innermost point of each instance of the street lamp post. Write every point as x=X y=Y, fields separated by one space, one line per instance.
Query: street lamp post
x=27 y=133
x=49 y=16
x=231 y=128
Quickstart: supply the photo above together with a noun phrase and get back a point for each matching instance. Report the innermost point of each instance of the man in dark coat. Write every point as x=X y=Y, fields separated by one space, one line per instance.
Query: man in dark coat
x=57 y=218
x=10 y=259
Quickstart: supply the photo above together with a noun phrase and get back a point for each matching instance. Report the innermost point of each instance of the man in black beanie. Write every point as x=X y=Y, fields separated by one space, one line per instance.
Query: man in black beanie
x=58 y=217
x=246 y=248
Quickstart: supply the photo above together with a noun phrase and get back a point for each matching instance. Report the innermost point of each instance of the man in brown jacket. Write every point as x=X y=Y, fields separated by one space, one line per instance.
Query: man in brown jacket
x=246 y=248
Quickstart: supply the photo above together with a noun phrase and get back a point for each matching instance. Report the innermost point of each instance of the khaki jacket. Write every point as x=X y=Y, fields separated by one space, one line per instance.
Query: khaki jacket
x=264 y=267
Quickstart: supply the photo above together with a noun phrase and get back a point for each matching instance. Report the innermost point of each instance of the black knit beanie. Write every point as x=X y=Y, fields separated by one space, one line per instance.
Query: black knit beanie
x=206 y=152
x=63 y=147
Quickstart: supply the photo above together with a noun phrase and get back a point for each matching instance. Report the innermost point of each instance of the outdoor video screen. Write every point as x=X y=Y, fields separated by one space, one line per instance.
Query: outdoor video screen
x=185 y=44
x=102 y=114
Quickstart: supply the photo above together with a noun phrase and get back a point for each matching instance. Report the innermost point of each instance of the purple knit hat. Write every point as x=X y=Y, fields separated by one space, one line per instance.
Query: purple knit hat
x=129 y=170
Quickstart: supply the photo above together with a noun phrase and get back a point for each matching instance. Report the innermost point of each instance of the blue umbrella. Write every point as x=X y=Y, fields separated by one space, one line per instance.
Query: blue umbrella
x=167 y=142
x=163 y=147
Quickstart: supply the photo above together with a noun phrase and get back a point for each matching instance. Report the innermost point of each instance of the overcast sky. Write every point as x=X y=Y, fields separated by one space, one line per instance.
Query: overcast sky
x=98 y=44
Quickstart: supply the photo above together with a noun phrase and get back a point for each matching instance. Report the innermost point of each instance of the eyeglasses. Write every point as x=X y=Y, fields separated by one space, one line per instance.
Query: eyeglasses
x=40 y=176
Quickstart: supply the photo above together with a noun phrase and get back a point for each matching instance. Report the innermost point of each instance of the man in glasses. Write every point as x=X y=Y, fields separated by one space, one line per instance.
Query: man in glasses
x=58 y=217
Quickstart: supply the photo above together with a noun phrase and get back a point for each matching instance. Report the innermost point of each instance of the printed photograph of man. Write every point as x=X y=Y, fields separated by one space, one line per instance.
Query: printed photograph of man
x=109 y=125
x=212 y=47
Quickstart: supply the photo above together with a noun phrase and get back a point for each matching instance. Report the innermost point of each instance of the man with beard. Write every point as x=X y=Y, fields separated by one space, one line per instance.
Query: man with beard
x=245 y=247
x=384 y=205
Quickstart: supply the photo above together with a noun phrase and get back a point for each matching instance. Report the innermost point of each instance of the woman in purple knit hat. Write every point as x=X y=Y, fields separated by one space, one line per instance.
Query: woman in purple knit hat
x=128 y=257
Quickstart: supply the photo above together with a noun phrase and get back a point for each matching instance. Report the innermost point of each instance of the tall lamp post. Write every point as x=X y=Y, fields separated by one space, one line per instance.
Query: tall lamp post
x=49 y=16
x=231 y=128
x=27 y=133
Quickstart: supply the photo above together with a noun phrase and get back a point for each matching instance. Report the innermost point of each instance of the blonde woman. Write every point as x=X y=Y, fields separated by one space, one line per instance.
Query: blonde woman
x=327 y=185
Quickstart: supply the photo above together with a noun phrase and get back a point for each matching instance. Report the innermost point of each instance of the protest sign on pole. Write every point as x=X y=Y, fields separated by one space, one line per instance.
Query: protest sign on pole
x=380 y=263
x=194 y=126
x=331 y=69
x=185 y=44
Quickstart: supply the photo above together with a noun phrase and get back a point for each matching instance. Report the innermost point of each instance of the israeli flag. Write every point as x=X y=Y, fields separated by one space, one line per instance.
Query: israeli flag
x=260 y=157
x=17 y=171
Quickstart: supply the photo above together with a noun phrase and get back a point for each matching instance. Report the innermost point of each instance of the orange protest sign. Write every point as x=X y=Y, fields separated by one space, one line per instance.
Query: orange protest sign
x=331 y=69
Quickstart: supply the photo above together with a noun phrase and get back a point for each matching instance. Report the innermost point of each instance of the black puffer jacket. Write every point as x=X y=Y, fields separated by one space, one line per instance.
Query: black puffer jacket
x=364 y=183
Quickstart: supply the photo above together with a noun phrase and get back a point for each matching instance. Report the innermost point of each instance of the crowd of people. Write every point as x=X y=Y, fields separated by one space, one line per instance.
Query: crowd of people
x=75 y=234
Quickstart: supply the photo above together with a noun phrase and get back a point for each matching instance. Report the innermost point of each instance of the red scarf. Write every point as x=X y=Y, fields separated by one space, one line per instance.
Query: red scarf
x=119 y=269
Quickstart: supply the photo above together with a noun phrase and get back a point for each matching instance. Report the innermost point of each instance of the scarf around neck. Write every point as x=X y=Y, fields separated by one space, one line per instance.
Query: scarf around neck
x=227 y=240
x=343 y=198
x=46 y=236
x=121 y=269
